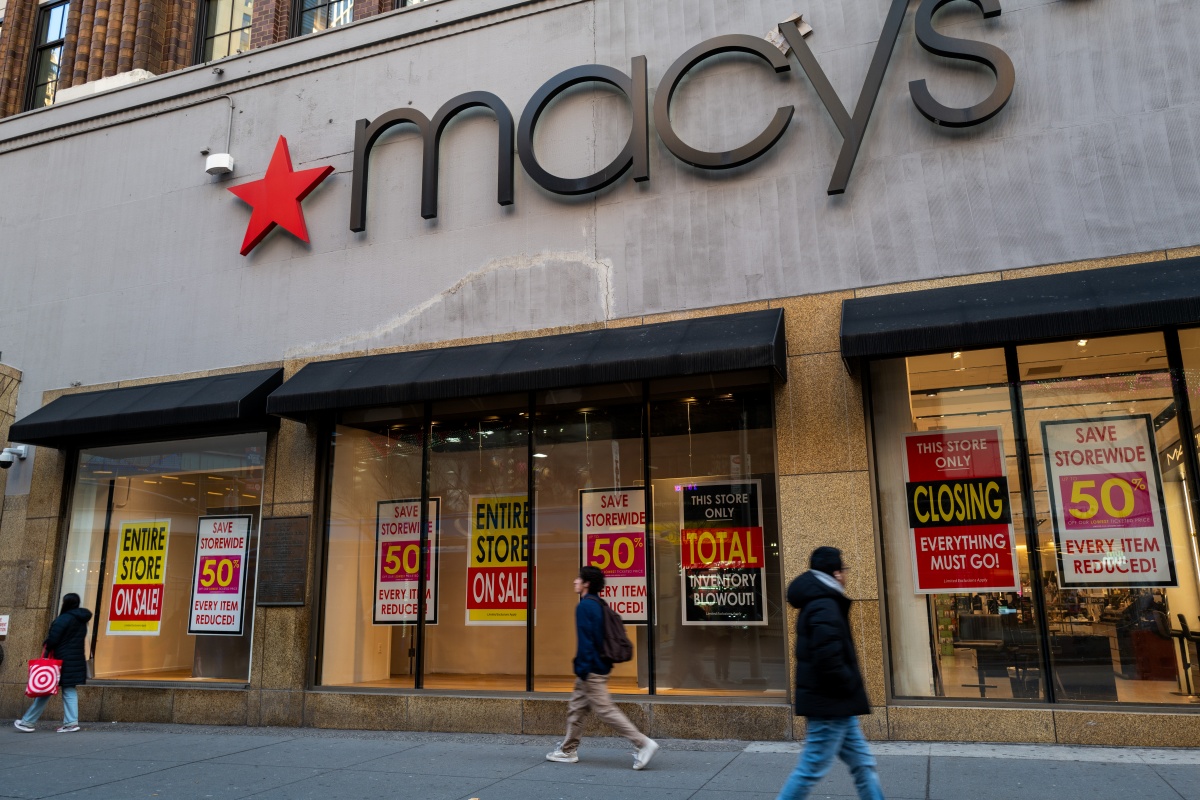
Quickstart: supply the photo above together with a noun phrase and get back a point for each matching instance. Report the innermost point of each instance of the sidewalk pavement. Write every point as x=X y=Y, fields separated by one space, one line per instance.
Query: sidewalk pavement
x=111 y=760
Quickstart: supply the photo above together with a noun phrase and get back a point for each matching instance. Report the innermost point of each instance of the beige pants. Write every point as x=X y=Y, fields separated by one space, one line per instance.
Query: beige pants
x=593 y=693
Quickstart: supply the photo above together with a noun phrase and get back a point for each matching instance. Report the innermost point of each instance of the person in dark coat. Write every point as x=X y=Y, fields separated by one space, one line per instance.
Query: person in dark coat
x=829 y=686
x=65 y=641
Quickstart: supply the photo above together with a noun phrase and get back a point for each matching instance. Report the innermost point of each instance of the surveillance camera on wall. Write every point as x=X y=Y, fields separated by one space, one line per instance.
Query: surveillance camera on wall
x=11 y=455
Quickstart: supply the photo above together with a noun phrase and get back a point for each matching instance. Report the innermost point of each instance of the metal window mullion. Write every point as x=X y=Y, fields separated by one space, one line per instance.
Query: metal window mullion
x=1183 y=414
x=423 y=544
x=530 y=586
x=1029 y=512
x=108 y=515
x=647 y=502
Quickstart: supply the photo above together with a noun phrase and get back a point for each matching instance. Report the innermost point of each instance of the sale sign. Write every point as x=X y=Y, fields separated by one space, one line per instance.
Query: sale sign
x=612 y=525
x=135 y=605
x=959 y=512
x=1107 y=503
x=498 y=560
x=219 y=577
x=398 y=559
x=722 y=554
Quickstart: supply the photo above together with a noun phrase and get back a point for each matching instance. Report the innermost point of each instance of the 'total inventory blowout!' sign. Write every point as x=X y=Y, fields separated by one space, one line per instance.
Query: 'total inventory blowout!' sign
x=612 y=525
x=498 y=560
x=135 y=606
x=959 y=513
x=1107 y=503
x=398 y=558
x=219 y=577
x=722 y=555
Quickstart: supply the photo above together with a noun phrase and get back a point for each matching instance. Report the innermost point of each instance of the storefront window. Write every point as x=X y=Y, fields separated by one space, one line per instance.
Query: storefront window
x=718 y=589
x=713 y=464
x=1101 y=534
x=959 y=628
x=374 y=538
x=1113 y=524
x=590 y=504
x=479 y=467
x=163 y=545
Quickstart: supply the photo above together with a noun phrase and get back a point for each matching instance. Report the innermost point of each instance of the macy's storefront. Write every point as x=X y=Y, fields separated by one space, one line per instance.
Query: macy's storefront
x=381 y=532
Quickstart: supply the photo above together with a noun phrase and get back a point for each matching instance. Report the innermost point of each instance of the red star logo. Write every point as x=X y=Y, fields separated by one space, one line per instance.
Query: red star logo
x=276 y=198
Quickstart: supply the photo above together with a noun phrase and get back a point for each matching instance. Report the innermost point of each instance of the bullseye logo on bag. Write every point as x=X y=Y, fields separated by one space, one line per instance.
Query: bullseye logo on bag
x=135 y=605
x=43 y=677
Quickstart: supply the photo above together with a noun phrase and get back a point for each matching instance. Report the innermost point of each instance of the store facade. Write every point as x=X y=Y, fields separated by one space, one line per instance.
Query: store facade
x=342 y=475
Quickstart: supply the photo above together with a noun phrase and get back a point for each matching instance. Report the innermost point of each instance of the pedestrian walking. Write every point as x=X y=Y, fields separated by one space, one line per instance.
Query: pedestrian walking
x=829 y=686
x=65 y=641
x=591 y=678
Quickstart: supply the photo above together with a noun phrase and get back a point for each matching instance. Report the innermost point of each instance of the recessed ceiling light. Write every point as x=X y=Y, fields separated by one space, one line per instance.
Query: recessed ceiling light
x=957 y=354
x=1082 y=342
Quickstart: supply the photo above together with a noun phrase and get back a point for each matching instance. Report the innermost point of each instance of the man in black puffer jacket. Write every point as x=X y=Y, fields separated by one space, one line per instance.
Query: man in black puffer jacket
x=829 y=686
x=65 y=640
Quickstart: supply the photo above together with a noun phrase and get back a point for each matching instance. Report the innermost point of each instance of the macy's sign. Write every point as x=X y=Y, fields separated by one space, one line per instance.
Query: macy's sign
x=636 y=153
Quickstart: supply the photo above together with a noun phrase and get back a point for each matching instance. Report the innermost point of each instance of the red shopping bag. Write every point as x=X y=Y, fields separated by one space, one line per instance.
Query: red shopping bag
x=44 y=674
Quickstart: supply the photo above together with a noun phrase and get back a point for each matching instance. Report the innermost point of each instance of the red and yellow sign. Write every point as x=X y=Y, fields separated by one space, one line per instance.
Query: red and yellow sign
x=498 y=560
x=219 y=577
x=959 y=514
x=398 y=559
x=612 y=524
x=135 y=604
x=1110 y=521
x=721 y=556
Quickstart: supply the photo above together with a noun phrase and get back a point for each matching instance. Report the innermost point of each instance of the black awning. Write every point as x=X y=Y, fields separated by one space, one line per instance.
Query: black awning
x=196 y=407
x=688 y=347
x=1065 y=306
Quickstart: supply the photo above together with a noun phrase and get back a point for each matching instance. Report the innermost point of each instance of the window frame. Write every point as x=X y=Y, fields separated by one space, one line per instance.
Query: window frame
x=651 y=391
x=72 y=456
x=298 y=11
x=202 y=17
x=44 y=11
x=1186 y=415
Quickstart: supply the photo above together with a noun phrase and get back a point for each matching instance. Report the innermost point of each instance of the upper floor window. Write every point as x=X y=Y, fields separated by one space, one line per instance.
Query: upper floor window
x=226 y=27
x=409 y=3
x=318 y=15
x=47 y=55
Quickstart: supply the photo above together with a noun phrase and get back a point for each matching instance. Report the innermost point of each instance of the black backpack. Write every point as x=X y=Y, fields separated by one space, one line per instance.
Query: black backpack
x=617 y=649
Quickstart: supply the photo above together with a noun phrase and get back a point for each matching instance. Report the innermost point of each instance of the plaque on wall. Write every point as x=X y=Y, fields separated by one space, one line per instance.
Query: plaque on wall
x=283 y=561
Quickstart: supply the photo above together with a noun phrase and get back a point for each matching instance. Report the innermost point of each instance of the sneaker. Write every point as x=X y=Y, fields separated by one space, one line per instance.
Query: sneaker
x=68 y=729
x=21 y=726
x=642 y=757
x=561 y=757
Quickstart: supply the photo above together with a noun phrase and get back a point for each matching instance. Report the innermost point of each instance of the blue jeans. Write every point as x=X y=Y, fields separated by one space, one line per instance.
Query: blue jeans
x=70 y=700
x=827 y=738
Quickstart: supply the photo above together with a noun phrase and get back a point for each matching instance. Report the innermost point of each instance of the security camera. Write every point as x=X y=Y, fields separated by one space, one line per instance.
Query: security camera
x=11 y=455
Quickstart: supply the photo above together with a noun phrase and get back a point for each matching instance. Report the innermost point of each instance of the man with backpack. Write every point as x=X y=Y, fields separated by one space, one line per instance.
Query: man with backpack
x=597 y=648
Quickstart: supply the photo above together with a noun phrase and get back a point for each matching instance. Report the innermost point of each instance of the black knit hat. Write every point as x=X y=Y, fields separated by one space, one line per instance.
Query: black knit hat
x=826 y=559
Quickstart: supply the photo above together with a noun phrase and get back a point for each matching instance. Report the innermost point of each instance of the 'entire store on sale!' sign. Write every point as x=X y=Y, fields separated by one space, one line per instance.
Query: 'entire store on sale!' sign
x=959 y=513
x=498 y=560
x=398 y=558
x=135 y=605
x=612 y=524
x=1107 y=502
x=219 y=576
